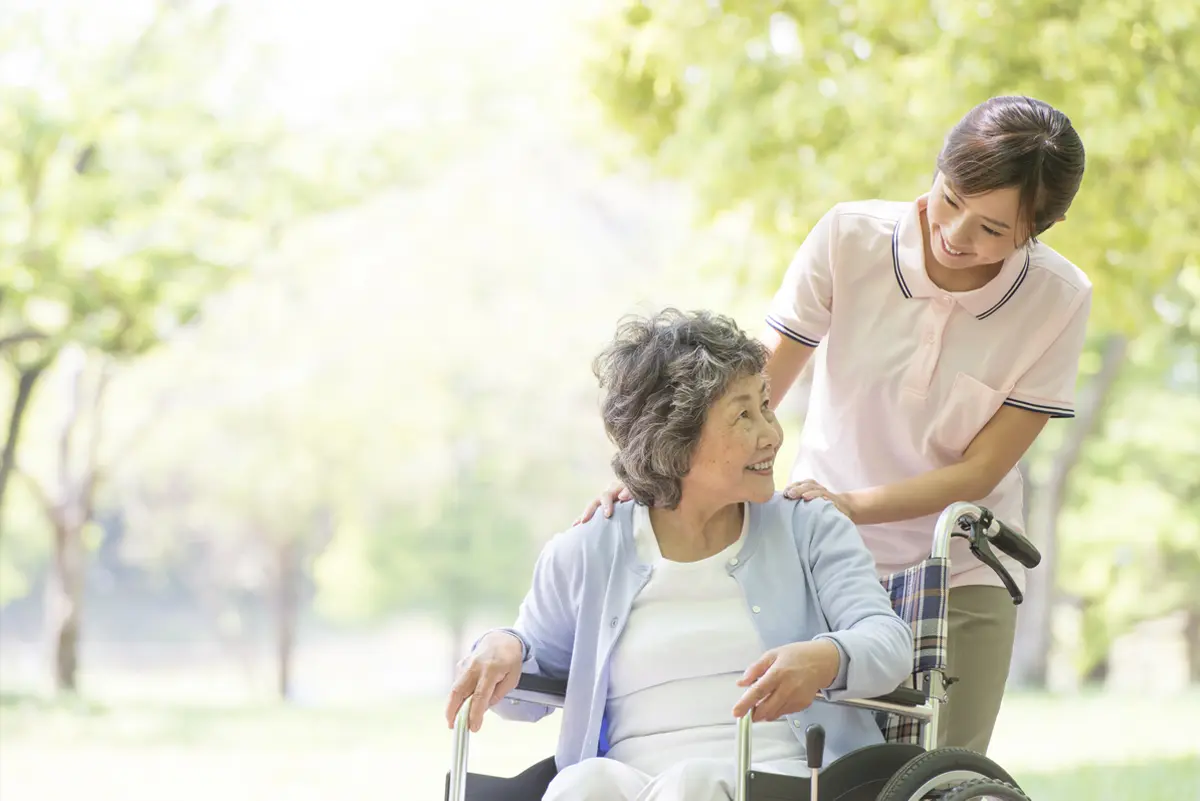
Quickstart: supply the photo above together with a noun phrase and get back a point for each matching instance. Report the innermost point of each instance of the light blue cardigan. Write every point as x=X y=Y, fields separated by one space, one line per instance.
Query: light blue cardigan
x=804 y=571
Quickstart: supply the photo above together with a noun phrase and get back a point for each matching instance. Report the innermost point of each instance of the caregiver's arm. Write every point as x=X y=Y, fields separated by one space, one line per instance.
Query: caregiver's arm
x=540 y=642
x=875 y=643
x=990 y=456
x=785 y=363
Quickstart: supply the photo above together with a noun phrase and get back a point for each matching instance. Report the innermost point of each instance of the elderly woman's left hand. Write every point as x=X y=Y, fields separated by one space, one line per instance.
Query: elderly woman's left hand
x=786 y=680
x=810 y=490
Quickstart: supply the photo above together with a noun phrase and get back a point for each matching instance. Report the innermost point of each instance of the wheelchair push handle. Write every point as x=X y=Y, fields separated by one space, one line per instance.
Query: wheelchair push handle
x=1013 y=543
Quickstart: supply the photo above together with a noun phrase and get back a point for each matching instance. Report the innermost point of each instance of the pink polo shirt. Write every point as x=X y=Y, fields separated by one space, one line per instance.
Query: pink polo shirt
x=910 y=373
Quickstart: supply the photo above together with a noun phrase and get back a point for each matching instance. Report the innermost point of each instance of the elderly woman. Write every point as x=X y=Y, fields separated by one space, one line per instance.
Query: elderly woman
x=707 y=598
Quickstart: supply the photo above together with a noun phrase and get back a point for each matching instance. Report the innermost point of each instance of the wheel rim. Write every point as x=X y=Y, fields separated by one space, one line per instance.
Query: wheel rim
x=945 y=781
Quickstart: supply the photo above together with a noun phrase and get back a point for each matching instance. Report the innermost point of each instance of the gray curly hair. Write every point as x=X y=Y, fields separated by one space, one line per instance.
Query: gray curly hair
x=660 y=375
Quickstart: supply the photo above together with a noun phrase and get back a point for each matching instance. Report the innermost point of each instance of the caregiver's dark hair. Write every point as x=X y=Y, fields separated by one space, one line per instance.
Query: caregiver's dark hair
x=1016 y=141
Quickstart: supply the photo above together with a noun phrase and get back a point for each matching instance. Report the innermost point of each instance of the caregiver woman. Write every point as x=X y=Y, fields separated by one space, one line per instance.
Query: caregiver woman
x=951 y=336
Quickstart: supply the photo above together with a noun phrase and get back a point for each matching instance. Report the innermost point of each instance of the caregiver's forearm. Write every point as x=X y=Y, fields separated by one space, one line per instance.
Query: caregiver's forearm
x=989 y=457
x=926 y=494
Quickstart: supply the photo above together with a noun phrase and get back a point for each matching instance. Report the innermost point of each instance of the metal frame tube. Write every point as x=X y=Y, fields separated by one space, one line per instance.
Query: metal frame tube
x=922 y=713
x=929 y=730
x=947 y=522
x=458 y=762
x=744 y=749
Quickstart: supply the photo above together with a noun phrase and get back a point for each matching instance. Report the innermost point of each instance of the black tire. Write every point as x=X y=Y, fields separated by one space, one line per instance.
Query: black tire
x=954 y=765
x=991 y=789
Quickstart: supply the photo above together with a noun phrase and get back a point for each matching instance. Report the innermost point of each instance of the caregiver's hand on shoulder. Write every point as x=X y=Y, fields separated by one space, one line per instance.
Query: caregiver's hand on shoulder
x=487 y=675
x=607 y=500
x=810 y=490
x=786 y=680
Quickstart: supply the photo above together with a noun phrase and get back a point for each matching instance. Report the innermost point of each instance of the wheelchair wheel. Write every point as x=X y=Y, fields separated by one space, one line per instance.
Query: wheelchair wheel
x=933 y=774
x=984 y=790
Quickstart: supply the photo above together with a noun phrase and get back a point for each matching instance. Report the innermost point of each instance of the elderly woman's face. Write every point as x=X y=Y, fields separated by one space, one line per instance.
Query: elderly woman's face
x=735 y=456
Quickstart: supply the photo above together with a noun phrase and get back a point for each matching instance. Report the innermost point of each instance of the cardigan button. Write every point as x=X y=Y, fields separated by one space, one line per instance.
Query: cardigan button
x=755 y=609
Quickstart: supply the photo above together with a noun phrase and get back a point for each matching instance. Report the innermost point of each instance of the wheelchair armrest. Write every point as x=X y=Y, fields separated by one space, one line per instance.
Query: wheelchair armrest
x=542 y=684
x=902 y=696
x=541 y=690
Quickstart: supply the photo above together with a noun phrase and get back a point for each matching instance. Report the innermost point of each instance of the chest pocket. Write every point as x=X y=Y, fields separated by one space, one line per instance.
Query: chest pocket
x=966 y=409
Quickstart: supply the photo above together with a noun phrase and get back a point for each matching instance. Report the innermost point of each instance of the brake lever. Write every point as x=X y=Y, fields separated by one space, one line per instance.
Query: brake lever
x=982 y=549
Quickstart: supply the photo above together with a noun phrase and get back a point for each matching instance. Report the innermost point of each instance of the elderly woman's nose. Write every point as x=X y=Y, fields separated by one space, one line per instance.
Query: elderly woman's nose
x=770 y=436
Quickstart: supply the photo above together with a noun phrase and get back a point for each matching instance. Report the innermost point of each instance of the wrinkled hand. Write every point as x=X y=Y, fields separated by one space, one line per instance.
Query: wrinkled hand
x=487 y=675
x=786 y=680
x=810 y=490
x=607 y=500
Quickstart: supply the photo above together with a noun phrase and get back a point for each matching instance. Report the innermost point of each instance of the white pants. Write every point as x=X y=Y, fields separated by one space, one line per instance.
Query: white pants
x=602 y=779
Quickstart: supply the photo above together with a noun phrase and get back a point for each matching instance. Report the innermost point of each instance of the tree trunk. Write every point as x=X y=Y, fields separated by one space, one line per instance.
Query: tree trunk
x=64 y=606
x=1034 y=637
x=1191 y=638
x=1098 y=674
x=25 y=383
x=287 y=613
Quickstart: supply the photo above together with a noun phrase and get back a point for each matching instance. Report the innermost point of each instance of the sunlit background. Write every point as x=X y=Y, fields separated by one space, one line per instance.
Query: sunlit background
x=298 y=301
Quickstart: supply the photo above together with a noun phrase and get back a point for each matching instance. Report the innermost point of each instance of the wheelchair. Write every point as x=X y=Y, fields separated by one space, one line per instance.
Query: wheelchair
x=908 y=766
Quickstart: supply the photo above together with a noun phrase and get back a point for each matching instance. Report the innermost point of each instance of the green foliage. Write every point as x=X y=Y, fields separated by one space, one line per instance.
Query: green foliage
x=1131 y=538
x=120 y=185
x=141 y=168
x=468 y=550
x=777 y=110
x=24 y=546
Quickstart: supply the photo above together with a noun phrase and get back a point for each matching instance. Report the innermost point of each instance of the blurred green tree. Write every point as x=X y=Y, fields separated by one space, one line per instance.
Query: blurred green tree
x=1132 y=531
x=773 y=111
x=466 y=551
x=139 y=170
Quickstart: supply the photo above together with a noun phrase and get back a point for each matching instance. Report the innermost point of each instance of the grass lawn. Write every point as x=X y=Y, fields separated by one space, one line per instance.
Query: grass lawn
x=1090 y=747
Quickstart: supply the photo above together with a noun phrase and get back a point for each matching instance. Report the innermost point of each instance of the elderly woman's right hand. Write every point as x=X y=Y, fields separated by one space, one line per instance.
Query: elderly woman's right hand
x=607 y=499
x=486 y=676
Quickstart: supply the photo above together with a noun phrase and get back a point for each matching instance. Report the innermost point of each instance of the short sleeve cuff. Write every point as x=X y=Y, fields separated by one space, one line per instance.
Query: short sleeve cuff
x=788 y=329
x=1055 y=409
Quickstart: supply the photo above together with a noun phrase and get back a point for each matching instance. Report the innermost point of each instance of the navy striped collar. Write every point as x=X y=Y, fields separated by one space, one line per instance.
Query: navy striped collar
x=908 y=264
